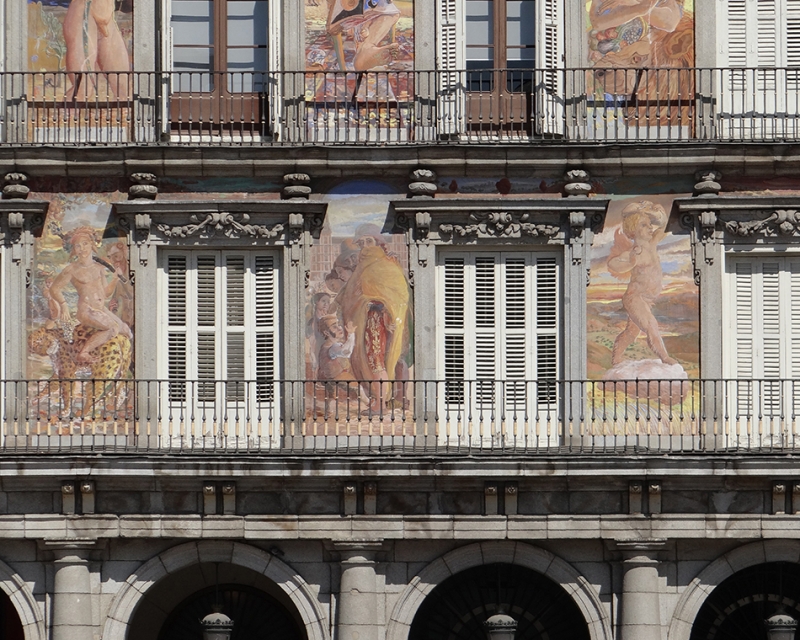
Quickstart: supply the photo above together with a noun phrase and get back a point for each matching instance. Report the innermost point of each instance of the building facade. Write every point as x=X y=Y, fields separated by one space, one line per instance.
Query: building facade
x=399 y=319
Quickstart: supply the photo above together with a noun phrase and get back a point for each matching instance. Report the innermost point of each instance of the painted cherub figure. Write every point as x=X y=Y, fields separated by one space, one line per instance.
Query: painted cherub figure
x=87 y=274
x=634 y=255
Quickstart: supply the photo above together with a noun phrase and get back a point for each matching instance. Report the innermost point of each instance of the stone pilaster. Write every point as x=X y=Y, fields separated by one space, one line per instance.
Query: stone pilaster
x=358 y=591
x=640 y=615
x=72 y=592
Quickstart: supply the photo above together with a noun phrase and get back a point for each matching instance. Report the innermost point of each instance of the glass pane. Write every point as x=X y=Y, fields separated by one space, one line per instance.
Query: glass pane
x=480 y=22
x=520 y=25
x=526 y=55
x=196 y=60
x=192 y=22
x=480 y=53
x=245 y=67
x=191 y=59
x=248 y=22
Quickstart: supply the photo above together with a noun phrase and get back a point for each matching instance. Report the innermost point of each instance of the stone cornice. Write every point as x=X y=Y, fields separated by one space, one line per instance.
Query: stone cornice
x=263 y=222
x=741 y=218
x=498 y=220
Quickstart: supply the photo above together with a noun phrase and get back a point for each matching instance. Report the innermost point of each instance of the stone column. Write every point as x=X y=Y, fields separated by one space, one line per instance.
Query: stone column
x=72 y=592
x=640 y=618
x=358 y=591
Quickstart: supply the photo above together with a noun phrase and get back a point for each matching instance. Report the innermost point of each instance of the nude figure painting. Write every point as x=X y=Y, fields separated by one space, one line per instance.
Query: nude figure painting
x=80 y=313
x=91 y=40
x=642 y=306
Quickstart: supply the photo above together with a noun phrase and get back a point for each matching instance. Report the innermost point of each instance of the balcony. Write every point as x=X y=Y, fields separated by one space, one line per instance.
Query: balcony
x=560 y=106
x=417 y=417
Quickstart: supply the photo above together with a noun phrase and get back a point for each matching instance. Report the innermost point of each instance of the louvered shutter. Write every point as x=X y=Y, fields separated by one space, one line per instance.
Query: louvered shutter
x=177 y=294
x=766 y=323
x=221 y=325
x=450 y=62
x=265 y=328
x=166 y=63
x=764 y=37
x=454 y=295
x=550 y=64
x=500 y=322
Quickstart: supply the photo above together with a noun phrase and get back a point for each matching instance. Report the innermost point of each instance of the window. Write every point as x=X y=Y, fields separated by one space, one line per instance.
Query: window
x=499 y=318
x=219 y=53
x=493 y=48
x=221 y=327
x=759 y=43
x=764 y=322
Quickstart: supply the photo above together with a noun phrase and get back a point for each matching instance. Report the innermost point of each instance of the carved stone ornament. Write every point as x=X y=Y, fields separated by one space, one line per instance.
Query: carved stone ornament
x=211 y=224
x=14 y=187
x=143 y=187
x=499 y=224
x=423 y=183
x=783 y=222
x=707 y=183
x=297 y=186
x=142 y=222
x=577 y=183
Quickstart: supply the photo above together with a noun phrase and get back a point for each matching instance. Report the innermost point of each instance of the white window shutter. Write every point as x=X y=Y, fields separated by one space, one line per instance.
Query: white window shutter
x=499 y=317
x=265 y=328
x=450 y=63
x=221 y=317
x=176 y=324
x=549 y=93
x=454 y=300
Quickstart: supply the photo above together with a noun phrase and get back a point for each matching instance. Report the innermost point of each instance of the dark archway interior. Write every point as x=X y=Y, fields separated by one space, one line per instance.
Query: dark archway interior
x=172 y=608
x=738 y=607
x=457 y=608
x=10 y=624
x=255 y=614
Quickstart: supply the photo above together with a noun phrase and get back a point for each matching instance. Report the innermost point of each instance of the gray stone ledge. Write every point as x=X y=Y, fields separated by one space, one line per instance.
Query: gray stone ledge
x=305 y=468
x=322 y=528
x=756 y=160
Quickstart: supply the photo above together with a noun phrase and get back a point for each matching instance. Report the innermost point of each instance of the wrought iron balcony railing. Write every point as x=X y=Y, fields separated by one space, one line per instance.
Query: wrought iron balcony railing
x=502 y=106
x=420 y=416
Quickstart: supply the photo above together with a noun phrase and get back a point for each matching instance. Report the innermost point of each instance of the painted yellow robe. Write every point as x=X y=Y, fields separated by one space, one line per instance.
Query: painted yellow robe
x=376 y=280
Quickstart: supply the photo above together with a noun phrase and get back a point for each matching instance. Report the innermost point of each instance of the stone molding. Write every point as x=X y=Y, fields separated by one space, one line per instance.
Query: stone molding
x=131 y=593
x=19 y=216
x=561 y=572
x=455 y=221
x=24 y=602
x=262 y=222
x=701 y=586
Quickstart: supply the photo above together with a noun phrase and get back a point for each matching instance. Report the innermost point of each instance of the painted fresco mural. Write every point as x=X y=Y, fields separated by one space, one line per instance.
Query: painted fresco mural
x=80 y=312
x=357 y=36
x=643 y=317
x=359 y=313
x=81 y=36
x=627 y=37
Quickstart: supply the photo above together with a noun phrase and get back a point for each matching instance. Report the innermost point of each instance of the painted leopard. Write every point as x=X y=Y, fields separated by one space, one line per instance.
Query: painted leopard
x=109 y=362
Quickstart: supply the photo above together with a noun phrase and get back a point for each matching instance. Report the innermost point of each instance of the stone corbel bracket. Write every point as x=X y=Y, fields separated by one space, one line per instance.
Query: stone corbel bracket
x=744 y=220
x=19 y=219
x=462 y=221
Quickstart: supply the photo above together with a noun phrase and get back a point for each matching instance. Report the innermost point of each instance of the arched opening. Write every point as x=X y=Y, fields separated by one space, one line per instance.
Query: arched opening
x=10 y=624
x=173 y=608
x=738 y=607
x=459 y=606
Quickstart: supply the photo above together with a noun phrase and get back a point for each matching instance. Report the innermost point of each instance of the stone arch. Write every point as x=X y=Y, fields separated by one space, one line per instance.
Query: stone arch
x=695 y=594
x=518 y=553
x=24 y=603
x=185 y=555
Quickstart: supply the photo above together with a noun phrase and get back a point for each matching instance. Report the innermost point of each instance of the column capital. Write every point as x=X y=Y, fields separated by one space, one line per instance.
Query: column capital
x=74 y=549
x=357 y=551
x=638 y=550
